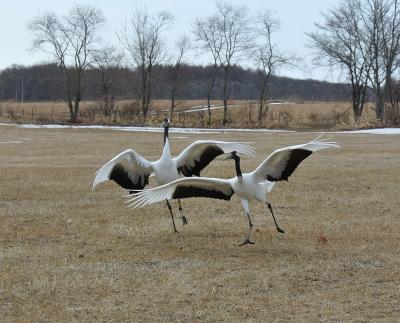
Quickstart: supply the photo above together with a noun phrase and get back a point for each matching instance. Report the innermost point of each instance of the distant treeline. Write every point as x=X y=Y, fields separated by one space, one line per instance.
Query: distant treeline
x=48 y=83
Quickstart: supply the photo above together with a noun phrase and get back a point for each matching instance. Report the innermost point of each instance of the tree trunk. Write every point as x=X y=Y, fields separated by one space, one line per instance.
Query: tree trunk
x=210 y=90
x=71 y=109
x=225 y=94
x=356 y=101
x=77 y=97
x=262 y=100
x=147 y=104
x=144 y=112
x=174 y=81
x=76 y=106
x=172 y=101
x=225 y=120
x=143 y=94
x=209 y=109
x=356 y=111
x=379 y=104
x=70 y=103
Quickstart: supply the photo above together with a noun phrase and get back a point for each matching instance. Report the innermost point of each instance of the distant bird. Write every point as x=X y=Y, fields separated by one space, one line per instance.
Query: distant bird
x=277 y=166
x=131 y=171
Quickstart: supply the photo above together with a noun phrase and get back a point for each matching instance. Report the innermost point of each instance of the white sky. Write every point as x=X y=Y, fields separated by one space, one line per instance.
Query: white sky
x=296 y=18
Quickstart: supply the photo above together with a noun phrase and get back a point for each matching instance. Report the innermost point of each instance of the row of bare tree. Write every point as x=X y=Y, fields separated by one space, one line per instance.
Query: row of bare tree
x=228 y=36
x=46 y=82
x=362 y=37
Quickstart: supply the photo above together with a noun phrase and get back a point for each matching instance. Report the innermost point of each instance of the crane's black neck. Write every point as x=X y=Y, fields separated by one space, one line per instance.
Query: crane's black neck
x=165 y=133
x=237 y=166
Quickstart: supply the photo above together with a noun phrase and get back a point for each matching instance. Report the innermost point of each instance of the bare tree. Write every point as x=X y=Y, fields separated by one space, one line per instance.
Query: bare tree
x=393 y=114
x=268 y=57
x=142 y=39
x=206 y=33
x=108 y=61
x=382 y=24
x=365 y=37
x=339 y=43
x=71 y=41
x=234 y=28
x=394 y=92
x=183 y=46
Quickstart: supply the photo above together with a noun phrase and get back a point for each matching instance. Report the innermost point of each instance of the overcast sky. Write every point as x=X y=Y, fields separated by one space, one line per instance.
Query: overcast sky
x=296 y=18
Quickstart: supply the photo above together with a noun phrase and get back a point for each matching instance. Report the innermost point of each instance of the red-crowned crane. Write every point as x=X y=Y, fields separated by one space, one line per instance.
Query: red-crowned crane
x=131 y=171
x=277 y=166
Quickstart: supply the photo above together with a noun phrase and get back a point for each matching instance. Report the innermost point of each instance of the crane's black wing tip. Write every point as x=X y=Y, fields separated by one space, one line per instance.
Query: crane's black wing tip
x=121 y=177
x=295 y=158
x=192 y=191
x=206 y=157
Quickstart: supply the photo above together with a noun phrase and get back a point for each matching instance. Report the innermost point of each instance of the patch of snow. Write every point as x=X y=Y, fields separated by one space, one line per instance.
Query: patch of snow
x=198 y=109
x=280 y=103
x=171 y=130
x=47 y=126
x=142 y=129
x=11 y=142
x=379 y=131
x=214 y=107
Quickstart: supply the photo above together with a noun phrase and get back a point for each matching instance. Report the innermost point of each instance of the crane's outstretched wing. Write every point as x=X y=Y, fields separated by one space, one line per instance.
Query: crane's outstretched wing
x=128 y=169
x=282 y=162
x=182 y=188
x=194 y=158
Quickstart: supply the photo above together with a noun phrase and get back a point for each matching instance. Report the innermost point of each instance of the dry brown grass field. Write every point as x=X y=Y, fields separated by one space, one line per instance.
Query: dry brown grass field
x=242 y=114
x=69 y=254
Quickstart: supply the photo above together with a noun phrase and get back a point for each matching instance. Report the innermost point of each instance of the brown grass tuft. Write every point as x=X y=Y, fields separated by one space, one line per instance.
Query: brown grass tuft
x=242 y=114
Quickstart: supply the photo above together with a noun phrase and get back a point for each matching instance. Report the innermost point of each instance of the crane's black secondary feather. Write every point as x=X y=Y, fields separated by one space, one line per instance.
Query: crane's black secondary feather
x=182 y=192
x=206 y=157
x=120 y=176
x=295 y=158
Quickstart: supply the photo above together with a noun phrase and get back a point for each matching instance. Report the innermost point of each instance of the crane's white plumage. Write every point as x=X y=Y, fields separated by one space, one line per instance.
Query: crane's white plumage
x=190 y=162
x=282 y=162
x=254 y=185
x=135 y=167
x=193 y=186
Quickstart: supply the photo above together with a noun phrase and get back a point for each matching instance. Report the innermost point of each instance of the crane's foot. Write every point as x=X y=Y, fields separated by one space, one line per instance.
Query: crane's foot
x=184 y=220
x=173 y=225
x=247 y=241
x=280 y=230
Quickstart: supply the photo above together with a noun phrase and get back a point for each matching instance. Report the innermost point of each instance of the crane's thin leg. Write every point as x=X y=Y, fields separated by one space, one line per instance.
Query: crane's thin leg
x=247 y=241
x=172 y=216
x=184 y=220
x=276 y=224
